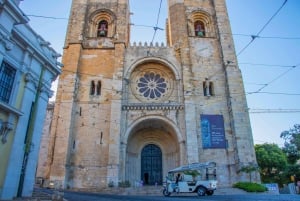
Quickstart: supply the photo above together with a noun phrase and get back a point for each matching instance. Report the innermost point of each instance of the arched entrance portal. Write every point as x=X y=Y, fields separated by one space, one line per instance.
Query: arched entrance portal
x=151 y=165
x=152 y=149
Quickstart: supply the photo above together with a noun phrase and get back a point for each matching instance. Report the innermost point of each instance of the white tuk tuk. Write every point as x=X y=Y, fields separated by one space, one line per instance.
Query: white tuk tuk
x=197 y=178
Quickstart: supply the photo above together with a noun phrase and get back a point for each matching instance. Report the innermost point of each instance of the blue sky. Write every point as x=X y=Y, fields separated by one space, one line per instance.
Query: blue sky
x=267 y=62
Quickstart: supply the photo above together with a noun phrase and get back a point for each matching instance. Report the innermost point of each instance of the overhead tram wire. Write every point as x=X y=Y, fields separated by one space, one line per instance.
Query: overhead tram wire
x=274 y=110
x=247 y=93
x=268 y=37
x=148 y=26
x=159 y=28
x=266 y=65
x=279 y=76
x=234 y=34
x=48 y=17
x=278 y=93
x=157 y=21
x=261 y=30
x=155 y=27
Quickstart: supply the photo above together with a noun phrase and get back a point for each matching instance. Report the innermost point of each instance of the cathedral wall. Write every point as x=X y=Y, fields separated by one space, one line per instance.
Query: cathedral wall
x=89 y=153
x=138 y=60
x=43 y=166
x=92 y=123
x=115 y=99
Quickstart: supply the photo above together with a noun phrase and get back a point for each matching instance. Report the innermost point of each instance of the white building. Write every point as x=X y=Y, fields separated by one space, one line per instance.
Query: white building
x=28 y=66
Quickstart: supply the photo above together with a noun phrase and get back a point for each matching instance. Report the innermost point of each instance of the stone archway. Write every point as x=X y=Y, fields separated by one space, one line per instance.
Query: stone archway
x=151 y=134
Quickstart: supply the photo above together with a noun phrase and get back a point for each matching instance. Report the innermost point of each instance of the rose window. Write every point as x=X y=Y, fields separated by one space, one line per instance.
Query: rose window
x=152 y=85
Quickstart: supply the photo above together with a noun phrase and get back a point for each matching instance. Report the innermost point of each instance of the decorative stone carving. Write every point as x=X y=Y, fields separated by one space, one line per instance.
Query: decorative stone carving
x=8 y=43
x=44 y=43
x=98 y=43
x=152 y=85
x=5 y=127
x=56 y=55
x=29 y=78
x=47 y=91
x=152 y=82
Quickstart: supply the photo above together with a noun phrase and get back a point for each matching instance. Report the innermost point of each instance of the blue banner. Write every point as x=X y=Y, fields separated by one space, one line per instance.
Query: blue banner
x=213 y=133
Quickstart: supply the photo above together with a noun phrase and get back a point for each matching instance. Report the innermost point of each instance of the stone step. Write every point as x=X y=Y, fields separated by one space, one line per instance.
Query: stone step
x=144 y=190
x=37 y=195
x=157 y=190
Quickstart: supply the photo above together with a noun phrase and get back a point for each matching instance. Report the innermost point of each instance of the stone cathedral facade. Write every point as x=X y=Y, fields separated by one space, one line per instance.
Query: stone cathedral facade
x=131 y=112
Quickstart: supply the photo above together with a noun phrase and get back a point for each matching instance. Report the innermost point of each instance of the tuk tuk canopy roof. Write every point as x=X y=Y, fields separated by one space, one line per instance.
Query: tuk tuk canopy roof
x=194 y=166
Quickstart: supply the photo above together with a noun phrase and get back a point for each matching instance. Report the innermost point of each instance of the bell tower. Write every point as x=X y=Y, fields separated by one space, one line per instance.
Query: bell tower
x=88 y=102
x=199 y=31
x=98 y=19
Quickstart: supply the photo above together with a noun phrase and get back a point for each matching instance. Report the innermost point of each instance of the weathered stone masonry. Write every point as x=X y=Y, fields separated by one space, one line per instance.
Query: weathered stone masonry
x=146 y=120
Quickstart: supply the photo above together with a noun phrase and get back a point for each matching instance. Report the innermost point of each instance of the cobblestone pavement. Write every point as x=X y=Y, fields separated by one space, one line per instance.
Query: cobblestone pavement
x=225 y=194
x=249 y=197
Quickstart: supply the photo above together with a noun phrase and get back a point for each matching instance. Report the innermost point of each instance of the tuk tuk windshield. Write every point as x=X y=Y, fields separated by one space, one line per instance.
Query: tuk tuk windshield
x=194 y=171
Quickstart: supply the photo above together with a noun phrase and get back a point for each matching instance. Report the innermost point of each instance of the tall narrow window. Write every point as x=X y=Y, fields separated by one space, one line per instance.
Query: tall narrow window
x=211 y=88
x=93 y=87
x=208 y=88
x=199 y=29
x=7 y=76
x=99 y=88
x=102 y=28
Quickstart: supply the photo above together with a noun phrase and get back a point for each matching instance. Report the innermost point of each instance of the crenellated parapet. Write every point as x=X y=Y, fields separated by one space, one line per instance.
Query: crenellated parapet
x=139 y=50
x=148 y=45
x=153 y=106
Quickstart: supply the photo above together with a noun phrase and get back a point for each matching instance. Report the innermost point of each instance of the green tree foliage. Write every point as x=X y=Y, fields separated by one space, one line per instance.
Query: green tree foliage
x=292 y=143
x=193 y=173
x=272 y=162
x=292 y=170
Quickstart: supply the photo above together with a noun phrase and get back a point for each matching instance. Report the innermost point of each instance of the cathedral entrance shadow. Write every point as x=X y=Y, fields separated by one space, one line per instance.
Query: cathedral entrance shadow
x=151 y=165
x=152 y=148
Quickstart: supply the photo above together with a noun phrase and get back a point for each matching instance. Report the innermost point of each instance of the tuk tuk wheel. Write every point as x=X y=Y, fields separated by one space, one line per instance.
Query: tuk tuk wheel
x=201 y=191
x=209 y=192
x=166 y=193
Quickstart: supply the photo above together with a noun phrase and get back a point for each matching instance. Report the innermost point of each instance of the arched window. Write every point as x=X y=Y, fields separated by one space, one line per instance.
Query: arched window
x=208 y=88
x=98 y=88
x=102 y=23
x=201 y=24
x=102 y=29
x=92 y=90
x=199 y=28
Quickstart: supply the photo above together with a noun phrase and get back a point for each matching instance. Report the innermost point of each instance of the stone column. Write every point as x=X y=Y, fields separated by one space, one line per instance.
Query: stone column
x=114 y=143
x=29 y=179
x=191 y=133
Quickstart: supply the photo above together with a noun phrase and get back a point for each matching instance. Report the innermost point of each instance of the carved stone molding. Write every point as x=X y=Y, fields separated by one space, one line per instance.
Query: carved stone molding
x=5 y=127
x=98 y=43
x=8 y=43
x=47 y=91
x=29 y=78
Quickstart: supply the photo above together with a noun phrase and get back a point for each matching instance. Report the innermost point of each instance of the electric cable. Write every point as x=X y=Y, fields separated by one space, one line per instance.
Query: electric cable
x=276 y=78
x=261 y=30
